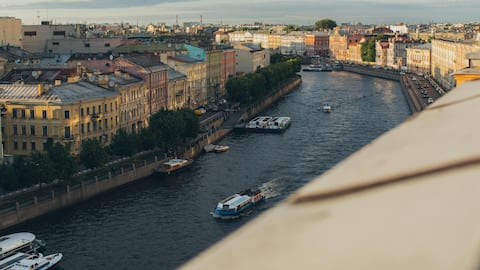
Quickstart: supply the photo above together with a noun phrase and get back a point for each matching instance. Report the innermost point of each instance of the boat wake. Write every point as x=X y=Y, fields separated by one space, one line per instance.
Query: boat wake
x=273 y=188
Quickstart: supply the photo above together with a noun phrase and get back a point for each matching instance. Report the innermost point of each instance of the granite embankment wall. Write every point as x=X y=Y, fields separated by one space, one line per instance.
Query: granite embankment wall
x=389 y=75
x=70 y=195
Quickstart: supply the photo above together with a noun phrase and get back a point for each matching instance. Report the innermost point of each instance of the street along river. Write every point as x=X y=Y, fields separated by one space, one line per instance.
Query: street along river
x=161 y=222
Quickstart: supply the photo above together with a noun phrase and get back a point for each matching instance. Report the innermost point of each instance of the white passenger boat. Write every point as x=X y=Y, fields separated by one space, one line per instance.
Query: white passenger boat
x=268 y=124
x=18 y=242
x=174 y=165
x=25 y=261
x=237 y=204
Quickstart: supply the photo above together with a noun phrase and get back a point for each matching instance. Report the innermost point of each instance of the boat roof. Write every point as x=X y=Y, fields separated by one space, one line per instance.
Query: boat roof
x=10 y=260
x=12 y=241
x=236 y=200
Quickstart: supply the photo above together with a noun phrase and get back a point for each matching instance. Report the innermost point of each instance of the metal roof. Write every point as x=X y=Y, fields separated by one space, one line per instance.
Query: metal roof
x=65 y=93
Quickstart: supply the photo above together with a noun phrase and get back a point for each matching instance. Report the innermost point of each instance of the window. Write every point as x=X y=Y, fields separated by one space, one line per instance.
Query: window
x=99 y=108
x=32 y=114
x=81 y=112
x=24 y=145
x=23 y=113
x=14 y=113
x=45 y=131
x=45 y=146
x=105 y=108
x=88 y=110
x=30 y=33
x=32 y=130
x=87 y=45
x=67 y=114
x=44 y=114
x=99 y=124
x=15 y=145
x=55 y=43
x=94 y=126
x=106 y=123
x=88 y=127
x=67 y=132
x=33 y=146
x=107 y=44
x=83 y=128
x=59 y=33
x=15 y=130
x=93 y=109
x=24 y=130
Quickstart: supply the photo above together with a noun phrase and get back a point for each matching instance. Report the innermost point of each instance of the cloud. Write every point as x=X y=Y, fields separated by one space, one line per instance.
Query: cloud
x=90 y=4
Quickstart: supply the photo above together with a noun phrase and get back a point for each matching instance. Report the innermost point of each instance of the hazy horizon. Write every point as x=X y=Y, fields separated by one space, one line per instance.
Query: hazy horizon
x=247 y=11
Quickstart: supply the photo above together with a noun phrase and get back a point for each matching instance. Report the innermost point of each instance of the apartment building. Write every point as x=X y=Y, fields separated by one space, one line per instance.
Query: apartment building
x=261 y=38
x=338 y=44
x=317 y=44
x=212 y=55
x=10 y=31
x=449 y=56
x=419 y=58
x=293 y=43
x=154 y=74
x=250 y=57
x=67 y=113
x=229 y=65
x=355 y=48
x=133 y=103
x=397 y=53
x=82 y=45
x=196 y=72
x=35 y=37
x=177 y=90
x=240 y=37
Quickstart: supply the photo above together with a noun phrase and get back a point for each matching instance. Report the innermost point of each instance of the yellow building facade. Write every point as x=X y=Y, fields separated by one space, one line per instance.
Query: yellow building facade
x=338 y=44
x=68 y=114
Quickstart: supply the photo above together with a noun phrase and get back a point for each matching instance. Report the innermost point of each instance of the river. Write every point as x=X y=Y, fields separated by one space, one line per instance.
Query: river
x=161 y=222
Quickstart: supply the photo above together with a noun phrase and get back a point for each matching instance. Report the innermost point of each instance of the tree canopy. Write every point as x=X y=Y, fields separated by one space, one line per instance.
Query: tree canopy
x=325 y=24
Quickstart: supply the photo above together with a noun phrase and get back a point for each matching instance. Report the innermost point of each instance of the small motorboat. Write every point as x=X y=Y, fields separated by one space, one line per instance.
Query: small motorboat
x=174 y=165
x=209 y=148
x=25 y=261
x=221 y=148
x=327 y=108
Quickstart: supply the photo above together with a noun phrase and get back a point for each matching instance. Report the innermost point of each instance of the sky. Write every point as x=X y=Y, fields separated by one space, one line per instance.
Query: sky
x=300 y=12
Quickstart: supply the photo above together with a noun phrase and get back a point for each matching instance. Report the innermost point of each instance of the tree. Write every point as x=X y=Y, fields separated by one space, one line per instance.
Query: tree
x=123 y=144
x=325 y=24
x=93 y=154
x=60 y=155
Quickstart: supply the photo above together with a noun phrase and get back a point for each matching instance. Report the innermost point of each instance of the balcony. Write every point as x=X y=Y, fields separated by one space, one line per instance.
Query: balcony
x=95 y=115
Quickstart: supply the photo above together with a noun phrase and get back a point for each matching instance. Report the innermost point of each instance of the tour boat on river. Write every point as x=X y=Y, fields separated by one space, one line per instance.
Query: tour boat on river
x=18 y=242
x=327 y=108
x=174 y=165
x=235 y=205
x=268 y=124
x=26 y=261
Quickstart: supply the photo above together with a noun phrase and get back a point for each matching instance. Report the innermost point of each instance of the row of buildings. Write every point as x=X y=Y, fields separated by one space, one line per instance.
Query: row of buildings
x=61 y=82
x=58 y=84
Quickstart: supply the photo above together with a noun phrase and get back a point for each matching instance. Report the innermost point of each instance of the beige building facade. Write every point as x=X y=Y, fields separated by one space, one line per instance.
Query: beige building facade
x=196 y=72
x=338 y=44
x=419 y=59
x=35 y=37
x=10 y=31
x=449 y=57
x=250 y=57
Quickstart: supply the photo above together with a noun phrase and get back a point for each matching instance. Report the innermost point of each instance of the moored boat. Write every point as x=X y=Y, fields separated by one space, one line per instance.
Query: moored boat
x=209 y=148
x=174 y=165
x=18 y=242
x=268 y=124
x=221 y=148
x=24 y=261
x=235 y=205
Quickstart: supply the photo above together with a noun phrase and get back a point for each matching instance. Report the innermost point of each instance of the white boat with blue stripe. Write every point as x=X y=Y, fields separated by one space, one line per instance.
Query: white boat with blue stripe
x=237 y=204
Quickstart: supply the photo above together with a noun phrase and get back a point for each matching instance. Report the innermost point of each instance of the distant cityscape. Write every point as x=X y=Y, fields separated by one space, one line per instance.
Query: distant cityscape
x=71 y=82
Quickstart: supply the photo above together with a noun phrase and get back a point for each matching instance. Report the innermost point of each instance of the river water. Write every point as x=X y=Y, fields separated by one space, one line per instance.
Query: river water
x=161 y=222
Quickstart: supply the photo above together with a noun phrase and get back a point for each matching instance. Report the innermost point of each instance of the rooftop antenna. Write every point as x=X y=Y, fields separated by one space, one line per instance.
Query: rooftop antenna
x=38 y=16
x=201 y=19
x=176 y=20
